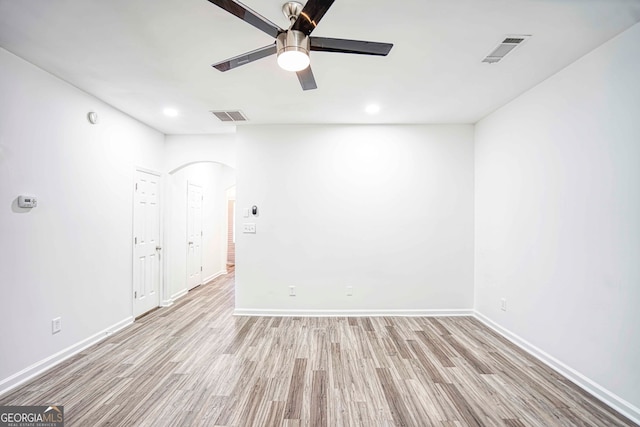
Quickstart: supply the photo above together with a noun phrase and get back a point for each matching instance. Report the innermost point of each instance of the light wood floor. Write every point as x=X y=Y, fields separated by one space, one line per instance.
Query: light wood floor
x=194 y=364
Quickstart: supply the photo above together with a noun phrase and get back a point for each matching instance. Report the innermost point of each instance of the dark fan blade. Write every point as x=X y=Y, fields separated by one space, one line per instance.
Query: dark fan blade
x=245 y=58
x=311 y=14
x=307 y=81
x=243 y=12
x=325 y=44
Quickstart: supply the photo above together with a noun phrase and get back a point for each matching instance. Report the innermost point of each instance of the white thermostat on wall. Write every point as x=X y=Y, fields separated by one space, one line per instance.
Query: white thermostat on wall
x=27 y=202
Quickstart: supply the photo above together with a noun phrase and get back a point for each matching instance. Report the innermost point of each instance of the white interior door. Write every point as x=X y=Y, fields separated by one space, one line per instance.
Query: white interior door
x=194 y=235
x=146 y=243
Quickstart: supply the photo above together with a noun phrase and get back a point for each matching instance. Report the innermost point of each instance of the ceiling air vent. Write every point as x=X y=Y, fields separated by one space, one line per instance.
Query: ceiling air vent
x=506 y=46
x=230 y=116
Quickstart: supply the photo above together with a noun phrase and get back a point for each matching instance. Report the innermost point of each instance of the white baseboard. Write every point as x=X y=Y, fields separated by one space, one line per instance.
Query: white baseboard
x=179 y=295
x=173 y=298
x=350 y=313
x=596 y=390
x=37 y=368
x=214 y=276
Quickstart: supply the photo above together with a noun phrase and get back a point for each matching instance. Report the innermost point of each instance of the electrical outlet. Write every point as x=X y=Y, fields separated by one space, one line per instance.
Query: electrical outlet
x=56 y=325
x=349 y=291
x=249 y=228
x=503 y=304
x=292 y=291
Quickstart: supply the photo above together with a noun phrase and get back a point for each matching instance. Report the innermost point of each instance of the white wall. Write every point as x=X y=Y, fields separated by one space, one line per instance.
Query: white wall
x=558 y=217
x=71 y=256
x=385 y=209
x=215 y=179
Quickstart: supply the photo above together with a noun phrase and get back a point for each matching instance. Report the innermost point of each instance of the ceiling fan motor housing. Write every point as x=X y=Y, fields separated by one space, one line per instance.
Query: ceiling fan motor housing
x=292 y=40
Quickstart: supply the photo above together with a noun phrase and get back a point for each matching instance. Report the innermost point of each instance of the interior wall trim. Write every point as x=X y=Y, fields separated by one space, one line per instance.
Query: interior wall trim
x=351 y=313
x=178 y=295
x=166 y=303
x=596 y=390
x=30 y=372
x=183 y=292
x=214 y=276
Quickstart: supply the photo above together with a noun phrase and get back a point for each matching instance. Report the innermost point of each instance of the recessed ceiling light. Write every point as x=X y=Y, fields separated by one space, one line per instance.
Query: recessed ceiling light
x=171 y=112
x=372 y=109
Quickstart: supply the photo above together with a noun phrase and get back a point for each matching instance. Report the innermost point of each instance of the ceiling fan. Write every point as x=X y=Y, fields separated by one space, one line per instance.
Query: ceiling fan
x=293 y=45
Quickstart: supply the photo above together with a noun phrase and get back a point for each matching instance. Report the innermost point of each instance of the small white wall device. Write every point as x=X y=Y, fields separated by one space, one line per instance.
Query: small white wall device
x=92 y=116
x=27 y=202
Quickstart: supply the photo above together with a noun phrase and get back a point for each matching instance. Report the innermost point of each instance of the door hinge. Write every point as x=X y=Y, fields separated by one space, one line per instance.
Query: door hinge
x=200 y=268
x=202 y=233
x=135 y=294
x=136 y=186
x=135 y=240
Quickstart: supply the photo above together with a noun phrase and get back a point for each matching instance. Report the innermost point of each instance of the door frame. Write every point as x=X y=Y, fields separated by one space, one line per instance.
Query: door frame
x=161 y=287
x=201 y=187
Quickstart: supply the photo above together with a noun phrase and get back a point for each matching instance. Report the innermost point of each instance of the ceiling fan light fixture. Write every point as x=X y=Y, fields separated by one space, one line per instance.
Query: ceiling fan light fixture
x=293 y=50
x=293 y=60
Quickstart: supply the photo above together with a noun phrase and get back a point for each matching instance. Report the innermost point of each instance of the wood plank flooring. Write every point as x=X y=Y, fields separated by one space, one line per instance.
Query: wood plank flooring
x=195 y=364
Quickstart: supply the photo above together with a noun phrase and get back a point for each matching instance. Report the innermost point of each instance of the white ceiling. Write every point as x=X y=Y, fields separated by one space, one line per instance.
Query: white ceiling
x=144 y=55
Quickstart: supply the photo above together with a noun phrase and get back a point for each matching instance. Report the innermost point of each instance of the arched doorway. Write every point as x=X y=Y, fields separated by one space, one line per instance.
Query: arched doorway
x=196 y=226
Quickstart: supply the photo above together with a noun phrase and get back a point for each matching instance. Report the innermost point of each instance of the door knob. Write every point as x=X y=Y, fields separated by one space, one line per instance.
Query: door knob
x=158 y=248
x=191 y=243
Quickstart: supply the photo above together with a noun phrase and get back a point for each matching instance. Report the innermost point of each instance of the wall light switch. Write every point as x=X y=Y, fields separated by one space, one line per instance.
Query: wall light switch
x=245 y=212
x=349 y=291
